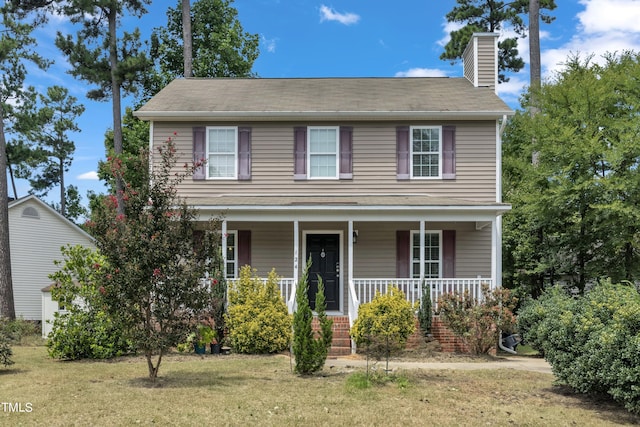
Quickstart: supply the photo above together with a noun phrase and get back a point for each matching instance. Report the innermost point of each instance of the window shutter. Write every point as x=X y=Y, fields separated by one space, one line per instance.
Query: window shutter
x=244 y=248
x=300 y=153
x=346 y=152
x=448 y=152
x=244 y=153
x=402 y=152
x=199 y=155
x=403 y=254
x=449 y=253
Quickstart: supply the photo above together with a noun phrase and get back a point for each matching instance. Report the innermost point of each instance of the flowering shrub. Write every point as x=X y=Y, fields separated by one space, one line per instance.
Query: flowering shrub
x=257 y=317
x=478 y=322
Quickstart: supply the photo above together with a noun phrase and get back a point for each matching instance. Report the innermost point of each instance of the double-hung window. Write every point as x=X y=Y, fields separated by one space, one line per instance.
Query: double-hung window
x=432 y=254
x=222 y=152
x=426 y=151
x=323 y=145
x=232 y=258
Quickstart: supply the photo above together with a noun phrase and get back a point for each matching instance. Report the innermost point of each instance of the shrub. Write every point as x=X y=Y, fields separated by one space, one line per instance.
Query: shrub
x=478 y=322
x=5 y=348
x=84 y=330
x=425 y=312
x=591 y=342
x=384 y=324
x=257 y=317
x=15 y=330
x=310 y=352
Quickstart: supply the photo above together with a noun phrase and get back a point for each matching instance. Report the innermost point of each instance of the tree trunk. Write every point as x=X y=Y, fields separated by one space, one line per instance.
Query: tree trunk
x=187 y=41
x=117 y=110
x=153 y=370
x=63 y=193
x=534 y=53
x=7 y=307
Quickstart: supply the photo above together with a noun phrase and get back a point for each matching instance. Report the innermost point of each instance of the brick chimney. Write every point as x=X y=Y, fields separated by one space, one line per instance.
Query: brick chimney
x=480 y=60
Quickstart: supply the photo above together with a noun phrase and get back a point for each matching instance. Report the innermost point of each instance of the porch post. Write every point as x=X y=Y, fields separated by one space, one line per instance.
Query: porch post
x=350 y=252
x=295 y=251
x=495 y=251
x=224 y=248
x=498 y=254
x=422 y=230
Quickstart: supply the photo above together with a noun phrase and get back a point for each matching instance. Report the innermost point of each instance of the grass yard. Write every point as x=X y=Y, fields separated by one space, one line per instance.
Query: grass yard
x=261 y=390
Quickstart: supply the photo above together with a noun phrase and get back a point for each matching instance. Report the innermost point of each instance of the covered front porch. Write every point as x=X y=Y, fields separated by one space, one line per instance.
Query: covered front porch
x=359 y=249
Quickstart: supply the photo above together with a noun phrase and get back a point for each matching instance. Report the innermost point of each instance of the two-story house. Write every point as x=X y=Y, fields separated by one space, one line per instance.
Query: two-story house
x=380 y=181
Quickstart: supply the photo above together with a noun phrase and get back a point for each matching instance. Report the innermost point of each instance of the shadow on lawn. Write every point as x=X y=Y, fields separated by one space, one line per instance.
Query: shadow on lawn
x=602 y=405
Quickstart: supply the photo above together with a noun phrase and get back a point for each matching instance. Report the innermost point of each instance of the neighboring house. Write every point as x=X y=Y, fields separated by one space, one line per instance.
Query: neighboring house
x=379 y=181
x=36 y=234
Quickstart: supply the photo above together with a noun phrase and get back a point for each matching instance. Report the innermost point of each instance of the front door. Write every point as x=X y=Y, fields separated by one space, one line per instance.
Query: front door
x=324 y=250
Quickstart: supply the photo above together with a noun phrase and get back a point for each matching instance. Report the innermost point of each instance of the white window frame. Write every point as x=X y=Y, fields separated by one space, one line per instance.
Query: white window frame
x=411 y=152
x=234 y=273
x=413 y=261
x=336 y=153
x=235 y=152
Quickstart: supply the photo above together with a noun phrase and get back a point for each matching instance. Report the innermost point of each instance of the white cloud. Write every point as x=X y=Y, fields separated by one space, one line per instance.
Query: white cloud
x=510 y=91
x=269 y=44
x=447 y=28
x=329 y=14
x=88 y=176
x=422 y=72
x=602 y=16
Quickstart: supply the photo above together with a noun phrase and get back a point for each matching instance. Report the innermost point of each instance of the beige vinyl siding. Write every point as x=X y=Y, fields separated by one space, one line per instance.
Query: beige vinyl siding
x=35 y=243
x=468 y=62
x=486 y=61
x=271 y=246
x=374 y=163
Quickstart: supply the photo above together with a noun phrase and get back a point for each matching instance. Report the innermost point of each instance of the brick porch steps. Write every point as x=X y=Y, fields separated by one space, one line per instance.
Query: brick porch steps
x=341 y=344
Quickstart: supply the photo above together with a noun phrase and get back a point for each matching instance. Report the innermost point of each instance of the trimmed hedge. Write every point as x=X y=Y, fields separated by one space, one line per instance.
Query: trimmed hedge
x=592 y=342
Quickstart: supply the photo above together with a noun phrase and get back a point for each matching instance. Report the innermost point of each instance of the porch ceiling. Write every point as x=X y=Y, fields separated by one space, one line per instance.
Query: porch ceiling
x=407 y=207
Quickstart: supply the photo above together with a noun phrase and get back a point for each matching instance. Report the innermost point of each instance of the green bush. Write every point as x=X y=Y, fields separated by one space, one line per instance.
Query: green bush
x=15 y=330
x=384 y=324
x=425 y=312
x=310 y=352
x=5 y=348
x=257 y=317
x=478 y=322
x=592 y=342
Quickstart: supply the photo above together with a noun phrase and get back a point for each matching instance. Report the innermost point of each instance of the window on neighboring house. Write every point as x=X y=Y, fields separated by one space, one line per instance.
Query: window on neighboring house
x=323 y=152
x=222 y=149
x=426 y=151
x=232 y=258
x=432 y=254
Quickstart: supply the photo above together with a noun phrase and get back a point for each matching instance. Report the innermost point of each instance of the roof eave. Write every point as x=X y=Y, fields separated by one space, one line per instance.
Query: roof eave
x=318 y=115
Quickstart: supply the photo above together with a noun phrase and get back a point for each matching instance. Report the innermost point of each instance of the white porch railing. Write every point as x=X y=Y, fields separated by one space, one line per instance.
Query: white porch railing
x=286 y=286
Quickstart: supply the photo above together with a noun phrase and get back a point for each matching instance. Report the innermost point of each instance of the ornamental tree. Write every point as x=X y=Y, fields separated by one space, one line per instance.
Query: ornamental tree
x=153 y=280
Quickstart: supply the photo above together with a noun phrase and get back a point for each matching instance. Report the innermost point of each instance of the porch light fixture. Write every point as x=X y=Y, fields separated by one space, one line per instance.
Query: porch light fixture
x=355 y=236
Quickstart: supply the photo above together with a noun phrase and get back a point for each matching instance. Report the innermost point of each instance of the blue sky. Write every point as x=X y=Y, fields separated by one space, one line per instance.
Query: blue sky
x=347 y=38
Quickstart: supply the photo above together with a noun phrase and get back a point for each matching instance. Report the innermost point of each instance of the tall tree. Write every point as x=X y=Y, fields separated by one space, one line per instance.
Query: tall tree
x=16 y=50
x=99 y=55
x=56 y=119
x=492 y=16
x=576 y=214
x=187 y=41
x=220 y=46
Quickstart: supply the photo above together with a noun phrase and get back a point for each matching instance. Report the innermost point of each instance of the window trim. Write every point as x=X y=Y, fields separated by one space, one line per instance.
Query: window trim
x=411 y=152
x=235 y=153
x=412 y=233
x=233 y=233
x=336 y=153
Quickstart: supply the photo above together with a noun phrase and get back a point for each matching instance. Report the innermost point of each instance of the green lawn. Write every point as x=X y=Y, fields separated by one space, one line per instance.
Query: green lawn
x=261 y=390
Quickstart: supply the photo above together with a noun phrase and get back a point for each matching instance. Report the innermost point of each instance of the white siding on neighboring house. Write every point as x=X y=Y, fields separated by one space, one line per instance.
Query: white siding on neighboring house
x=36 y=236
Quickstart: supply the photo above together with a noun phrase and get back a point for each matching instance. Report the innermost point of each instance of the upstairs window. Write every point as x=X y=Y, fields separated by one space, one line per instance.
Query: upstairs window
x=323 y=152
x=426 y=152
x=222 y=151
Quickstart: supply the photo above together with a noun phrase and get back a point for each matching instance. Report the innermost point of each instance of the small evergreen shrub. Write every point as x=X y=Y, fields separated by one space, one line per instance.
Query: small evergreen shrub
x=384 y=324
x=15 y=330
x=425 y=312
x=310 y=352
x=478 y=323
x=257 y=316
x=592 y=342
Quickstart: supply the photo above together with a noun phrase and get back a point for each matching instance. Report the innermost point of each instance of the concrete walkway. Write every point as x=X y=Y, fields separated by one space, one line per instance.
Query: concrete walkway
x=504 y=362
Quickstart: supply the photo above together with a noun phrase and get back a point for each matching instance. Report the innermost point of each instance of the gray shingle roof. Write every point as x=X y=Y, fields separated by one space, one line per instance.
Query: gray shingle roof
x=323 y=98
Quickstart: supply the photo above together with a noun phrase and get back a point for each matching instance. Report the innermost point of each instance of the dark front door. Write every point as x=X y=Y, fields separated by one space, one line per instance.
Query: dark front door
x=324 y=250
